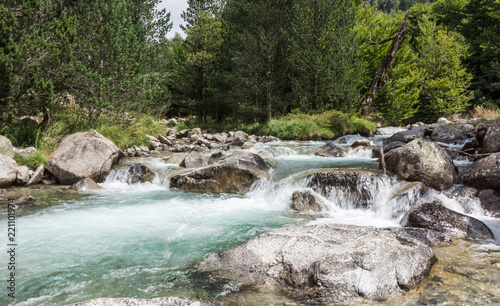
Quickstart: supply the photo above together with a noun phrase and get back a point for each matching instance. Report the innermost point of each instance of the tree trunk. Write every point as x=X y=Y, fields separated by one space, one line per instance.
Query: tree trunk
x=380 y=79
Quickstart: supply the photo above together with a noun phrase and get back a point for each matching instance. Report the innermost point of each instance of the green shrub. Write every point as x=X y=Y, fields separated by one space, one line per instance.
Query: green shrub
x=32 y=161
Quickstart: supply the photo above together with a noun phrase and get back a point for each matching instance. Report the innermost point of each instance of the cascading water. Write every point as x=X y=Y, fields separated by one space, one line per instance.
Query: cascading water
x=144 y=239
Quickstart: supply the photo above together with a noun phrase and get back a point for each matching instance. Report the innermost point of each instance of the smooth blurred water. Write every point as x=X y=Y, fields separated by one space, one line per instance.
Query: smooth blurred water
x=144 y=240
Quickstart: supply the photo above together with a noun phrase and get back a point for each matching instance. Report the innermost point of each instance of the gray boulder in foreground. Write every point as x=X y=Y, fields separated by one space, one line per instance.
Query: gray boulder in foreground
x=436 y=217
x=234 y=173
x=8 y=171
x=83 y=155
x=163 y=301
x=422 y=161
x=484 y=173
x=328 y=263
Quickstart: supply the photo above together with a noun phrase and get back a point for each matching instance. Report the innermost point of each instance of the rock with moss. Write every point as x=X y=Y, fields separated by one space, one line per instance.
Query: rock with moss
x=328 y=263
x=422 y=161
x=306 y=201
x=83 y=155
x=490 y=201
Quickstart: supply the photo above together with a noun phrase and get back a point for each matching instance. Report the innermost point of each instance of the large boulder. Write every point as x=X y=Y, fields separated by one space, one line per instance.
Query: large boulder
x=234 y=173
x=484 y=173
x=83 y=155
x=355 y=186
x=8 y=171
x=329 y=150
x=422 y=161
x=328 y=263
x=447 y=134
x=6 y=147
x=436 y=217
x=488 y=135
x=409 y=135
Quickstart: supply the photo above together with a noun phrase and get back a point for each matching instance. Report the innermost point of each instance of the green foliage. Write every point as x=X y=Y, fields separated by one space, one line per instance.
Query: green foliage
x=296 y=129
x=445 y=80
x=32 y=161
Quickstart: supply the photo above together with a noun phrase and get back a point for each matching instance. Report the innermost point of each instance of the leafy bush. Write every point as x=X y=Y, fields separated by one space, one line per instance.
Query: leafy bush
x=32 y=161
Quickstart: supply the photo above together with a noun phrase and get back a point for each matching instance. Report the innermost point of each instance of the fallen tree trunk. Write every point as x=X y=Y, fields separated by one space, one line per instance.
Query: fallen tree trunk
x=380 y=79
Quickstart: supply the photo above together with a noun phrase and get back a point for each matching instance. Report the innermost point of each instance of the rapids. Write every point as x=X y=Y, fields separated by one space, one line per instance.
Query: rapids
x=144 y=240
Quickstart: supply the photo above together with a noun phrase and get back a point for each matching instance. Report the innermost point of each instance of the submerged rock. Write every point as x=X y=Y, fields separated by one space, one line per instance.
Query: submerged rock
x=361 y=143
x=305 y=201
x=422 y=161
x=85 y=184
x=328 y=263
x=165 y=301
x=436 y=217
x=83 y=155
x=25 y=200
x=329 y=150
x=234 y=173
x=484 y=173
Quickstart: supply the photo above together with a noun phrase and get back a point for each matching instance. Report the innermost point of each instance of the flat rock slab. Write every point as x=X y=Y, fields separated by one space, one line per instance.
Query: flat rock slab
x=328 y=263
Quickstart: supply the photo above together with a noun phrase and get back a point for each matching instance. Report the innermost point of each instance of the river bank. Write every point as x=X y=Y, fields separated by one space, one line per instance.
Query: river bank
x=145 y=239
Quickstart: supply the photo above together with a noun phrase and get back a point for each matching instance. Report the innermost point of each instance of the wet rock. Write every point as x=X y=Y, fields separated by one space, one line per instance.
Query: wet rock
x=328 y=263
x=436 y=217
x=488 y=135
x=424 y=162
x=361 y=143
x=408 y=190
x=387 y=148
x=355 y=184
x=484 y=173
x=193 y=160
x=329 y=150
x=25 y=200
x=83 y=155
x=8 y=172
x=447 y=134
x=234 y=173
x=342 y=140
x=23 y=175
x=305 y=201
x=490 y=201
x=471 y=145
x=6 y=147
x=138 y=173
x=85 y=184
x=265 y=153
x=424 y=235
x=161 y=301
x=409 y=135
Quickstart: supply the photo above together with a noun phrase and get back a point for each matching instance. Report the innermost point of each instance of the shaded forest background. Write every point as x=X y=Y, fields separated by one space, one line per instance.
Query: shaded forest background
x=247 y=61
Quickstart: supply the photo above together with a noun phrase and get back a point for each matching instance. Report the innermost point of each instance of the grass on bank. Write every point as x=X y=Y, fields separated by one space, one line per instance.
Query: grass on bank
x=300 y=126
x=124 y=130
